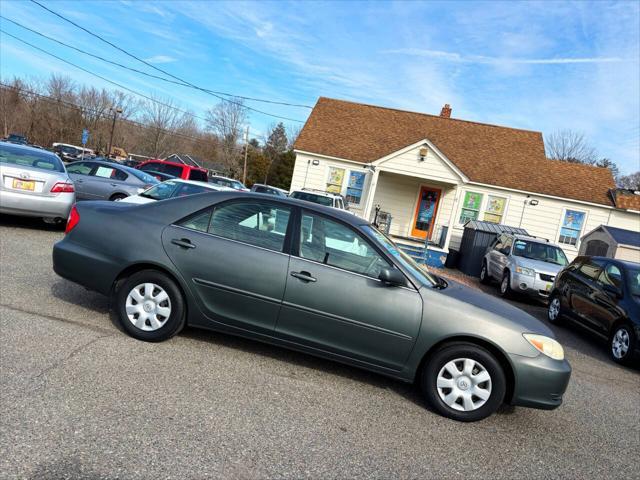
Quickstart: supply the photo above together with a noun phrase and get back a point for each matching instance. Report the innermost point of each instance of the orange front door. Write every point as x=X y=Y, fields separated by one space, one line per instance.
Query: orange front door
x=426 y=211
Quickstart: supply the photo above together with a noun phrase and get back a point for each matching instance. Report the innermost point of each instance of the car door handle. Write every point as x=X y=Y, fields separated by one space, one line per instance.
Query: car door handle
x=304 y=276
x=114 y=184
x=79 y=181
x=183 y=242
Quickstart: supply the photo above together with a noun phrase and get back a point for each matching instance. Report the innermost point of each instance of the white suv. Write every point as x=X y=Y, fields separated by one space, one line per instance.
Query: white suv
x=327 y=199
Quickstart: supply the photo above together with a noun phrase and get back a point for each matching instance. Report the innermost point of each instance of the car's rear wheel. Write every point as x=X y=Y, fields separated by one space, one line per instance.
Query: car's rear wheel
x=150 y=306
x=554 y=311
x=622 y=344
x=484 y=273
x=505 y=285
x=464 y=382
x=116 y=197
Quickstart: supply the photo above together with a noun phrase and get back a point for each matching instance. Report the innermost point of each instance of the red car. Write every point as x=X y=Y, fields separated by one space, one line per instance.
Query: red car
x=164 y=170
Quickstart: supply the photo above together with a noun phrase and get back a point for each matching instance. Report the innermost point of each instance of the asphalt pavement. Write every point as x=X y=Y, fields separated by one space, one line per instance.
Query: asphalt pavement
x=80 y=399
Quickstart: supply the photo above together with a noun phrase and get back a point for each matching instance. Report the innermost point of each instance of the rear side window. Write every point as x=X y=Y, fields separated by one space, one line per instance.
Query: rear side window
x=174 y=170
x=262 y=224
x=110 y=172
x=198 y=175
x=611 y=276
x=26 y=158
x=80 y=168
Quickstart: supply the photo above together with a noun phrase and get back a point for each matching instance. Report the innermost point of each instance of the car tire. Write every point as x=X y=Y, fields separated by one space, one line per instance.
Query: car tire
x=150 y=306
x=622 y=344
x=484 y=274
x=504 y=287
x=116 y=197
x=460 y=401
x=554 y=310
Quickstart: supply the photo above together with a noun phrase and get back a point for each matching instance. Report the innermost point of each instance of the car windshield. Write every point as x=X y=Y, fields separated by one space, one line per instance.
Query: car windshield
x=161 y=191
x=633 y=276
x=312 y=197
x=540 y=251
x=27 y=158
x=406 y=261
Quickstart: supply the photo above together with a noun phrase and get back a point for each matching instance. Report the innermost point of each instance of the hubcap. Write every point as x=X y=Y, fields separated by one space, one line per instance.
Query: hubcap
x=148 y=306
x=503 y=285
x=464 y=384
x=554 y=308
x=620 y=343
x=483 y=272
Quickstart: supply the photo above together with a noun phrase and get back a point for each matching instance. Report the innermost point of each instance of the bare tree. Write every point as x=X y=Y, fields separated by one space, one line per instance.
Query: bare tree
x=631 y=181
x=293 y=132
x=161 y=119
x=570 y=146
x=226 y=120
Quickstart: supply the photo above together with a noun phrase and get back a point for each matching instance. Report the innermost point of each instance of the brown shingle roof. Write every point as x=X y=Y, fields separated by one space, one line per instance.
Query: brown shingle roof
x=490 y=154
x=626 y=199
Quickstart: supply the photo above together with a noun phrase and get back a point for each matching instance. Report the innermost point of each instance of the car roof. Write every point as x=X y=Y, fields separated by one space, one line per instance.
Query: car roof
x=177 y=164
x=224 y=178
x=195 y=182
x=529 y=238
x=125 y=168
x=616 y=261
x=26 y=148
x=316 y=192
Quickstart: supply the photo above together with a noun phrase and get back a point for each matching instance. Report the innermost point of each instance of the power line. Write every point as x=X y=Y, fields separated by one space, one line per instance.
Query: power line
x=97 y=112
x=160 y=69
x=149 y=74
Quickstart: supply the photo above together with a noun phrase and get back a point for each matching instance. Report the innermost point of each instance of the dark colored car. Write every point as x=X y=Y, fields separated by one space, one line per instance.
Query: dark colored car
x=17 y=139
x=602 y=295
x=269 y=190
x=313 y=279
x=174 y=170
x=97 y=180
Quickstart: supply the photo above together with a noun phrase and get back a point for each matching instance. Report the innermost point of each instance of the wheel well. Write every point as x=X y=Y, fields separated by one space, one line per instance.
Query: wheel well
x=500 y=356
x=118 y=195
x=621 y=321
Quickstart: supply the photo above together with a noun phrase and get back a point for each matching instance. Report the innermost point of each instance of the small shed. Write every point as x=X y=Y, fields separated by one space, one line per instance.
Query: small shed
x=612 y=242
x=476 y=239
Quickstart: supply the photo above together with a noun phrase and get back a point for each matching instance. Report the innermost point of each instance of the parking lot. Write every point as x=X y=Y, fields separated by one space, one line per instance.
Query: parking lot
x=79 y=398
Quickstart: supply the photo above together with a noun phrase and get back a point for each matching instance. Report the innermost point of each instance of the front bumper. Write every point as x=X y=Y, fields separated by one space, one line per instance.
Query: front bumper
x=29 y=205
x=528 y=285
x=540 y=382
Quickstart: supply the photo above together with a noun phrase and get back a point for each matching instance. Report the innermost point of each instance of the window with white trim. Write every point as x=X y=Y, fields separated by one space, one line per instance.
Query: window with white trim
x=571 y=227
x=352 y=190
x=334 y=182
x=494 y=210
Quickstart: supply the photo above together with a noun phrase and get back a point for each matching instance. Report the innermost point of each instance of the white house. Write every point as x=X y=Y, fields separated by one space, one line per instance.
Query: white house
x=433 y=173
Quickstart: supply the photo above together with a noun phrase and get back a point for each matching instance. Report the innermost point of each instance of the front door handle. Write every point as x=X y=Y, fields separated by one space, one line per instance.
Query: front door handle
x=183 y=242
x=304 y=276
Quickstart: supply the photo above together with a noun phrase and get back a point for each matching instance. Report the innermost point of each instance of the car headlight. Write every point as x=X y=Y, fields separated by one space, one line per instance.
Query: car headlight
x=525 y=271
x=548 y=346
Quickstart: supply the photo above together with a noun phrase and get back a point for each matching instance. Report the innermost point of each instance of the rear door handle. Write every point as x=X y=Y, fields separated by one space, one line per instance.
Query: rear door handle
x=183 y=242
x=304 y=276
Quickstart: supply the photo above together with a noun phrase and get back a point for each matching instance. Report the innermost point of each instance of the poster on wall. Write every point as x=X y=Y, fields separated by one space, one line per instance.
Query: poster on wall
x=336 y=176
x=472 y=201
x=355 y=187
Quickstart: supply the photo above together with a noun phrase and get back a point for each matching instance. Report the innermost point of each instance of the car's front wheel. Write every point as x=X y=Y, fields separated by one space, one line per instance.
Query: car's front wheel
x=484 y=273
x=554 y=311
x=463 y=382
x=150 y=306
x=505 y=285
x=622 y=344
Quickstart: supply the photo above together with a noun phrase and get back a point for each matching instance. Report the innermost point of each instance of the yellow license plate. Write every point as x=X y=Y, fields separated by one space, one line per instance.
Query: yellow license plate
x=548 y=287
x=24 y=184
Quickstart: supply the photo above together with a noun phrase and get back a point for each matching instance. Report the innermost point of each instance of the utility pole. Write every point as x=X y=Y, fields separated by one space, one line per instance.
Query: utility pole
x=246 y=150
x=116 y=111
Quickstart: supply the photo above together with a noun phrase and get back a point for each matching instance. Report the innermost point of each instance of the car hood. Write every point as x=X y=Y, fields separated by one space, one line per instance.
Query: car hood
x=496 y=306
x=538 y=265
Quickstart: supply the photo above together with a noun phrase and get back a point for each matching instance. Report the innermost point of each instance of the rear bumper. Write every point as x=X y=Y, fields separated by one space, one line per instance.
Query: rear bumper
x=29 y=205
x=540 y=382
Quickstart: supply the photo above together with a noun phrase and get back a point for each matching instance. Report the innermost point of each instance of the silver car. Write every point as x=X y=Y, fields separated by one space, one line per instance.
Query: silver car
x=34 y=183
x=98 y=180
x=522 y=264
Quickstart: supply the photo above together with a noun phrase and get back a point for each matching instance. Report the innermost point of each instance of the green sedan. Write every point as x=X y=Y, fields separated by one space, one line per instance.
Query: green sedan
x=313 y=279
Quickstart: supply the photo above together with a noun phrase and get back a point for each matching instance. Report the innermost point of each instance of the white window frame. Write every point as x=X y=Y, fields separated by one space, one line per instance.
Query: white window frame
x=345 y=183
x=483 y=206
x=582 y=227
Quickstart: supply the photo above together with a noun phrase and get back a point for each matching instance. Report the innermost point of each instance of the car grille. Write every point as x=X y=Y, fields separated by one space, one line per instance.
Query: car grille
x=547 y=278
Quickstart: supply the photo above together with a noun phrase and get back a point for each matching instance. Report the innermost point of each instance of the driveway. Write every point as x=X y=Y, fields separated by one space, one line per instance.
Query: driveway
x=80 y=399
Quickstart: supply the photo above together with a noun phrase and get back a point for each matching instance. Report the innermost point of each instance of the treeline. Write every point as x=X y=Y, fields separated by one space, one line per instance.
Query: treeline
x=58 y=109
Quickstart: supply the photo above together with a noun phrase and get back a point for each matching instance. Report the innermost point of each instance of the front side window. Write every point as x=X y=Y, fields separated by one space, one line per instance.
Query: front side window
x=470 y=207
x=332 y=243
x=495 y=209
x=571 y=227
x=262 y=224
x=334 y=182
x=355 y=187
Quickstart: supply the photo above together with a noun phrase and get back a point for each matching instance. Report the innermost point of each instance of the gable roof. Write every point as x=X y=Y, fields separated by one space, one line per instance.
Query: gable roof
x=626 y=199
x=622 y=236
x=501 y=156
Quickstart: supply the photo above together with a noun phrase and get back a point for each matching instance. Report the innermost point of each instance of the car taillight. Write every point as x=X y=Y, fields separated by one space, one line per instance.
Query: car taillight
x=62 y=187
x=73 y=220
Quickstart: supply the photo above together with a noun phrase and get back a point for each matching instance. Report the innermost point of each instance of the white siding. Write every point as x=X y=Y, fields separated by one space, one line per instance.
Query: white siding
x=398 y=195
x=432 y=167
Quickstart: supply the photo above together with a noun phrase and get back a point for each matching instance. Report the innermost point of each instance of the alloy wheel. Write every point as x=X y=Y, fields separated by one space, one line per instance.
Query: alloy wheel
x=505 y=284
x=554 y=308
x=620 y=343
x=464 y=384
x=148 y=306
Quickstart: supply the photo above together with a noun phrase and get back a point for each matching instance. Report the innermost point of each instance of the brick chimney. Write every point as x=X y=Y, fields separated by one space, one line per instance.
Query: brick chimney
x=446 y=111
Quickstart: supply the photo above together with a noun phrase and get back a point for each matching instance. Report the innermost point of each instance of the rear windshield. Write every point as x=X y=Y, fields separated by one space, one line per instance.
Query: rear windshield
x=161 y=191
x=27 y=158
x=312 y=197
x=227 y=182
x=198 y=175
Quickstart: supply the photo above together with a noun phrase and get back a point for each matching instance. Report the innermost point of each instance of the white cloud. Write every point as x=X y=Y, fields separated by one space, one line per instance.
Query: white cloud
x=160 y=59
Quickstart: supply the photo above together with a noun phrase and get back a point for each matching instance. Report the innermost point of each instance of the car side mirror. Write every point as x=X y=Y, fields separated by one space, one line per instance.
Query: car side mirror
x=392 y=276
x=612 y=290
